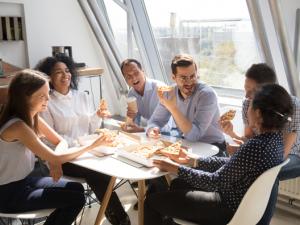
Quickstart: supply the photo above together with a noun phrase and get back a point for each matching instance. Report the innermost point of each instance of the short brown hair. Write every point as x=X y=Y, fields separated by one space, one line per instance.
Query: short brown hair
x=261 y=73
x=128 y=61
x=182 y=60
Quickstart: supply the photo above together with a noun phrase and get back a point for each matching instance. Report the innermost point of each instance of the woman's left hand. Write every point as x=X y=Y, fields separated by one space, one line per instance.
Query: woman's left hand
x=166 y=165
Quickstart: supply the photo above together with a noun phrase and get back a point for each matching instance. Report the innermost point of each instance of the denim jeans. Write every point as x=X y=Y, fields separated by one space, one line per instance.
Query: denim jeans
x=34 y=193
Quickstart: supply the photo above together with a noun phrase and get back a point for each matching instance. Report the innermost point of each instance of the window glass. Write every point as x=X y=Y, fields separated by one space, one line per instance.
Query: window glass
x=217 y=33
x=118 y=21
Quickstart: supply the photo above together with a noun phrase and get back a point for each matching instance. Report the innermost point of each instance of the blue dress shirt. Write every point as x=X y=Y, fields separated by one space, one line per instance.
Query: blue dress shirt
x=201 y=109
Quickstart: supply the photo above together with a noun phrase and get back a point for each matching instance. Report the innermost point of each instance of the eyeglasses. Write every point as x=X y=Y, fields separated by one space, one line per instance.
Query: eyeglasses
x=185 y=79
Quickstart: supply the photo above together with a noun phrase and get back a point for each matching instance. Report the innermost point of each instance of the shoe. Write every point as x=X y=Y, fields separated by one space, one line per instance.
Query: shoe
x=114 y=220
x=125 y=221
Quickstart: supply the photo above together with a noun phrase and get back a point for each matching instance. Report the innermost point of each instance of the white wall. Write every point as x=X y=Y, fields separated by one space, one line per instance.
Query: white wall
x=61 y=22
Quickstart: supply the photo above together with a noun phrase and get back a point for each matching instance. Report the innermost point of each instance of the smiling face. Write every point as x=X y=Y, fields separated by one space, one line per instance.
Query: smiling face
x=61 y=78
x=38 y=101
x=134 y=77
x=186 y=79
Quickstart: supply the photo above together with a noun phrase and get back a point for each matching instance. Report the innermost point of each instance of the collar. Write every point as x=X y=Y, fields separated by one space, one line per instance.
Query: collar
x=148 y=87
x=61 y=96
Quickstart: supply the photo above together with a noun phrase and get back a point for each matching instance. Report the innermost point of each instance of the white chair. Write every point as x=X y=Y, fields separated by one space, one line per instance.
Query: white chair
x=254 y=202
x=29 y=216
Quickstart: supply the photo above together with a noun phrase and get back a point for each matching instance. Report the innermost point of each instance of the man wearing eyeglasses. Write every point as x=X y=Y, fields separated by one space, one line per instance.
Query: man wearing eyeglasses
x=192 y=104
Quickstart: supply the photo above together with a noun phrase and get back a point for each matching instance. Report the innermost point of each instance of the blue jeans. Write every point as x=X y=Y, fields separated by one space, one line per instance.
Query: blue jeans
x=33 y=193
x=289 y=171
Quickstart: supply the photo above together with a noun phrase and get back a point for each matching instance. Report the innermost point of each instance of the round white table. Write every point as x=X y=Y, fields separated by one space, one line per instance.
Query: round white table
x=112 y=166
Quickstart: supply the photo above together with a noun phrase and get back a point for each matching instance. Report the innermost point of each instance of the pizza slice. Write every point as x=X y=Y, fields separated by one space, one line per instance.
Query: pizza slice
x=229 y=115
x=103 y=105
x=146 y=151
x=173 y=149
x=164 y=88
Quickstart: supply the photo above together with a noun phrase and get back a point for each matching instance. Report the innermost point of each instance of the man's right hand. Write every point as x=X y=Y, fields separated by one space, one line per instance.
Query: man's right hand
x=153 y=132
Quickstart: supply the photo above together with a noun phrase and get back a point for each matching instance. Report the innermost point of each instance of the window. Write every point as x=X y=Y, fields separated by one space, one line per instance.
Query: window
x=217 y=33
x=123 y=35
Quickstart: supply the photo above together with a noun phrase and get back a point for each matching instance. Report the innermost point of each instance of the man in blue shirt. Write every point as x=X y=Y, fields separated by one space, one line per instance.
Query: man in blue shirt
x=193 y=106
x=143 y=89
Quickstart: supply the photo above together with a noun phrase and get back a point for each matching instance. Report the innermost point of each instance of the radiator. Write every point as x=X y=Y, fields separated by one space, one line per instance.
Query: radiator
x=290 y=188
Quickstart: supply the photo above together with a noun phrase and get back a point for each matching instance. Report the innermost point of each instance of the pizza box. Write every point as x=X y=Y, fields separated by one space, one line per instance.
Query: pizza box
x=135 y=152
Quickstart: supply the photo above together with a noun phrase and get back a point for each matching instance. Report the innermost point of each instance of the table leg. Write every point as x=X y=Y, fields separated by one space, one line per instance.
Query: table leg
x=141 y=198
x=105 y=200
x=169 y=179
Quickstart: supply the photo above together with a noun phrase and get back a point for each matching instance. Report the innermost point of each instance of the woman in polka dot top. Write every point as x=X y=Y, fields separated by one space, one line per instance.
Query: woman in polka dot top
x=211 y=191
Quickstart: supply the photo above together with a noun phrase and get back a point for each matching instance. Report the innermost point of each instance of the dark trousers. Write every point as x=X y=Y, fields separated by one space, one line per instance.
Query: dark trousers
x=98 y=183
x=33 y=193
x=183 y=202
x=289 y=171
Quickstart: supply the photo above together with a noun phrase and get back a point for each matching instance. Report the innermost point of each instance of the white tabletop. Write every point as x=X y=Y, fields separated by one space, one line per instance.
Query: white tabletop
x=112 y=166
x=116 y=168
x=198 y=148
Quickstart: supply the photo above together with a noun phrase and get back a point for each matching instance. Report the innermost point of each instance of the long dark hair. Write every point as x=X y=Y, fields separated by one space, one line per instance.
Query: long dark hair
x=46 y=66
x=22 y=86
x=275 y=105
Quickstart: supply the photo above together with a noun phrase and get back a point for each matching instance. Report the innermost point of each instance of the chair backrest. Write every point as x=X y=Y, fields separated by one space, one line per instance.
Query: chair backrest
x=254 y=202
x=28 y=215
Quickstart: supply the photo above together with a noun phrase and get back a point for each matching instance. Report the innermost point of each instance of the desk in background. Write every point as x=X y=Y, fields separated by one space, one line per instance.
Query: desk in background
x=92 y=72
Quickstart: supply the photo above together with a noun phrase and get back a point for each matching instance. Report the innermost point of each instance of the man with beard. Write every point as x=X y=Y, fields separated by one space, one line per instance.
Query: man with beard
x=193 y=106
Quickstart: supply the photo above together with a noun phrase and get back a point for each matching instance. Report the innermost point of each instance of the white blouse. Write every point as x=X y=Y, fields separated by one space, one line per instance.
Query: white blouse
x=71 y=115
x=16 y=161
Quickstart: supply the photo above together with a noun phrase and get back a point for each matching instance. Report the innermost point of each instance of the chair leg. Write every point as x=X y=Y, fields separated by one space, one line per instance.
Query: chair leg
x=132 y=188
x=2 y=221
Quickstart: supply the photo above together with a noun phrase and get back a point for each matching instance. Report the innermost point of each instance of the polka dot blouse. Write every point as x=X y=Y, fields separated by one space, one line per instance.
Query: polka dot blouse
x=231 y=177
